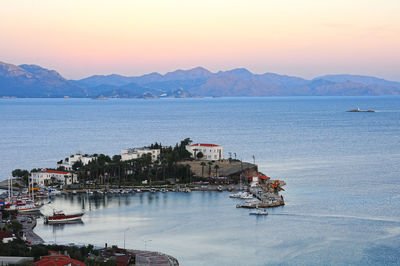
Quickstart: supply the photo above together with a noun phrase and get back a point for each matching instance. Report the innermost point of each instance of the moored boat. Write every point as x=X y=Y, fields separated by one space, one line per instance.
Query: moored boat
x=22 y=205
x=61 y=217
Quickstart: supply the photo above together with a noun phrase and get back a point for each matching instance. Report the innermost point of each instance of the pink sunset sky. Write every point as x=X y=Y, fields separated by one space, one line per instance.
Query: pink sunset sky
x=305 y=38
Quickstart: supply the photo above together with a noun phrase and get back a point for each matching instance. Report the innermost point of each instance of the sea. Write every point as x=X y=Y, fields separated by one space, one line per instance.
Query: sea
x=342 y=172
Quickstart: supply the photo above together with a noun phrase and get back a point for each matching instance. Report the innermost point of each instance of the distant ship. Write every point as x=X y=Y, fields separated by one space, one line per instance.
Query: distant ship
x=358 y=110
x=101 y=97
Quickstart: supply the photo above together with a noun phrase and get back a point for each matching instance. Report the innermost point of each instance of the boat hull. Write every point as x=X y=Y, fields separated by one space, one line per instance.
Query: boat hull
x=63 y=219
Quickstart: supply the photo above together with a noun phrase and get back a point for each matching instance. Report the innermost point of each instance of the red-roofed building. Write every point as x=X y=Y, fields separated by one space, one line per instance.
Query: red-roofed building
x=256 y=179
x=46 y=177
x=6 y=237
x=58 y=260
x=209 y=151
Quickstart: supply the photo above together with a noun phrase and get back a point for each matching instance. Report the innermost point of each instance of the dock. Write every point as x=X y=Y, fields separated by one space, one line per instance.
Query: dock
x=267 y=197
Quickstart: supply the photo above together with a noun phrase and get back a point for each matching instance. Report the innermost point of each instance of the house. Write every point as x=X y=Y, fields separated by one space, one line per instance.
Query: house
x=6 y=237
x=135 y=153
x=68 y=162
x=45 y=177
x=59 y=260
x=257 y=179
x=209 y=151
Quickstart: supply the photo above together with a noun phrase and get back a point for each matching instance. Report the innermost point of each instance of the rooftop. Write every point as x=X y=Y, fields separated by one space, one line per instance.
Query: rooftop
x=58 y=260
x=56 y=172
x=205 y=145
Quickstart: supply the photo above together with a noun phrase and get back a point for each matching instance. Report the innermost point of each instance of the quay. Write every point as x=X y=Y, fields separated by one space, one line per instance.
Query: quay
x=28 y=222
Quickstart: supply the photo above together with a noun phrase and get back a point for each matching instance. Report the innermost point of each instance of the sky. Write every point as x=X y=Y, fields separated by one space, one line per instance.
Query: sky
x=305 y=38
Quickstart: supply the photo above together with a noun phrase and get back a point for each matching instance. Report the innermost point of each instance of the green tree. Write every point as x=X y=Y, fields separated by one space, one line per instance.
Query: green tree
x=216 y=167
x=203 y=164
x=77 y=165
x=200 y=155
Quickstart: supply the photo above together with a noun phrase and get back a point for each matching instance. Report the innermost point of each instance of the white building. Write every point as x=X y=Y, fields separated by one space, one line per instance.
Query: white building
x=68 y=162
x=135 y=153
x=45 y=177
x=209 y=151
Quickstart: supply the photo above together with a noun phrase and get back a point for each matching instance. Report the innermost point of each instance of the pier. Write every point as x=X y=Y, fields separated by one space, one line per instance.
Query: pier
x=267 y=195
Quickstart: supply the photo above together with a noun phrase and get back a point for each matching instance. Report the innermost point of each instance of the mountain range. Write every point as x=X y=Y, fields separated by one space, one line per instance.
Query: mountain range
x=31 y=81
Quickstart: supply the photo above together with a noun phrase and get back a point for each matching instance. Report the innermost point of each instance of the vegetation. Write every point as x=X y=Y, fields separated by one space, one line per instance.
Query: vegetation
x=106 y=170
x=23 y=174
x=20 y=249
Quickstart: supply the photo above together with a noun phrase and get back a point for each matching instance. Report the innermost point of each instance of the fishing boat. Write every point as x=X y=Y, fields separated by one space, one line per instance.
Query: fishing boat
x=61 y=217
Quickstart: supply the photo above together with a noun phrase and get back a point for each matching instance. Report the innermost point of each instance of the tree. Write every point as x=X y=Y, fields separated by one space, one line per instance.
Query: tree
x=209 y=169
x=216 y=167
x=200 y=155
x=116 y=158
x=23 y=174
x=202 y=169
x=77 y=165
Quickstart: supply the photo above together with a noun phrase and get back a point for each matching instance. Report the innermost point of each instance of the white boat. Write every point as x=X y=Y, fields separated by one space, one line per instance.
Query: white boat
x=22 y=205
x=236 y=195
x=247 y=196
x=54 y=192
x=242 y=195
x=259 y=212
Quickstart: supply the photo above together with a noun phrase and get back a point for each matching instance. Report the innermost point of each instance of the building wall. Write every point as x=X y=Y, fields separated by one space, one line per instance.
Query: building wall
x=42 y=177
x=209 y=152
x=75 y=158
x=130 y=154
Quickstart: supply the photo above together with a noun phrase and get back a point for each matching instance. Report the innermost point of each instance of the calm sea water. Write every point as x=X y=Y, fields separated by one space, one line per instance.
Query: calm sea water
x=342 y=172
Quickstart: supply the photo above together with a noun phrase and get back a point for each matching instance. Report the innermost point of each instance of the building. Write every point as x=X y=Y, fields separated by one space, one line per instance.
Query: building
x=209 y=151
x=60 y=260
x=45 y=177
x=257 y=179
x=68 y=162
x=135 y=153
x=6 y=237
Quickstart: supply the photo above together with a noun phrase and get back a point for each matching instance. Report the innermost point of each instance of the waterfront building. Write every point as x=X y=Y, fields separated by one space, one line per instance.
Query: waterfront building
x=58 y=260
x=68 y=162
x=209 y=151
x=135 y=153
x=46 y=177
x=6 y=237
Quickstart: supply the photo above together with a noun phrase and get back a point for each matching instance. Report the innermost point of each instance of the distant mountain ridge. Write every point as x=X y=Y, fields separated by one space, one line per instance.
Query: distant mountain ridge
x=35 y=81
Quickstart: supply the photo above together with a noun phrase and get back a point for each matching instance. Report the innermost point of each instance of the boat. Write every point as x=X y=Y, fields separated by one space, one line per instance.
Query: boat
x=61 y=217
x=219 y=188
x=22 y=205
x=236 y=195
x=360 y=111
x=259 y=212
x=247 y=195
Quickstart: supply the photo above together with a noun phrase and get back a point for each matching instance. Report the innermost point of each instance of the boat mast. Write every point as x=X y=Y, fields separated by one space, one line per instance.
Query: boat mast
x=9 y=190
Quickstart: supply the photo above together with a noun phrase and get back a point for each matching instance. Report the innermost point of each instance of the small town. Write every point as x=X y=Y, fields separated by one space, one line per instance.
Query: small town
x=184 y=168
